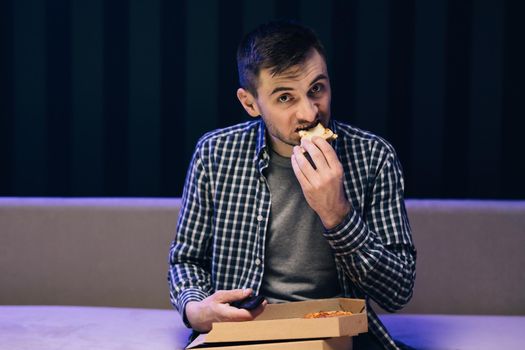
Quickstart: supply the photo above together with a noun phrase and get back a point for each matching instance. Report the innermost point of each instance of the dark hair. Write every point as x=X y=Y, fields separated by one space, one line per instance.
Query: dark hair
x=276 y=45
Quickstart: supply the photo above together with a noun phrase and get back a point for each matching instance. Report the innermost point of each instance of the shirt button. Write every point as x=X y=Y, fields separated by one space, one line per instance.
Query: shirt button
x=259 y=218
x=257 y=261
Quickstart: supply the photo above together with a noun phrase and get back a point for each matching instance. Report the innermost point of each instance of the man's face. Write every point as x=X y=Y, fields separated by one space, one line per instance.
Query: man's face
x=294 y=100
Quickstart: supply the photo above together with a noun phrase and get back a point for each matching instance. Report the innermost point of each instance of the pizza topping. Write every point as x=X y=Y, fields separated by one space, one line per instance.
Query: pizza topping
x=325 y=314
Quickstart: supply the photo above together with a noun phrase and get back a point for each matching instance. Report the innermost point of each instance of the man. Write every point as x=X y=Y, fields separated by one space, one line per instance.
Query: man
x=258 y=216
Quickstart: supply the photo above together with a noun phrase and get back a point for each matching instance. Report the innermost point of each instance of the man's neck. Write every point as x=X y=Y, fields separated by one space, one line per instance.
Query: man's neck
x=281 y=148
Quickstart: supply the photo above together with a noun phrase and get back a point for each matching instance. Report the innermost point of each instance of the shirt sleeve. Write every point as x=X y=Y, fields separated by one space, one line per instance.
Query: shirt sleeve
x=188 y=277
x=375 y=247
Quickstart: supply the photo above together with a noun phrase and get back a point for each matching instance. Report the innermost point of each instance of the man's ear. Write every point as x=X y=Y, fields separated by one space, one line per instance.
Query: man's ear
x=248 y=101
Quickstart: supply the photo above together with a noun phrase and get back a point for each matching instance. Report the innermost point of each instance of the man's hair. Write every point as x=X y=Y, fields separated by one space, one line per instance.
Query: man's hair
x=277 y=46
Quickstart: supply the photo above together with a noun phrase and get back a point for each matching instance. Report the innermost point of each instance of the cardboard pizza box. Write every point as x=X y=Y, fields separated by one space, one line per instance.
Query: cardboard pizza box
x=340 y=343
x=283 y=323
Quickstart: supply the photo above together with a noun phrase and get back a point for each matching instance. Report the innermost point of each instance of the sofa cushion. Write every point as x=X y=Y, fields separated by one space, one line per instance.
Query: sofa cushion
x=89 y=328
x=105 y=328
x=444 y=332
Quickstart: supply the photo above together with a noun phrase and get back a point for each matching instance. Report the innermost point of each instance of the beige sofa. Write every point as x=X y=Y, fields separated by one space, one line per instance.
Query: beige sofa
x=108 y=253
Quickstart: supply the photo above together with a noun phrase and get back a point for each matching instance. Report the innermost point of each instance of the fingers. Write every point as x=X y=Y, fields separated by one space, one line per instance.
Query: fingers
x=251 y=314
x=216 y=308
x=316 y=153
x=256 y=312
x=303 y=167
x=298 y=169
x=327 y=151
x=320 y=153
x=228 y=296
x=233 y=314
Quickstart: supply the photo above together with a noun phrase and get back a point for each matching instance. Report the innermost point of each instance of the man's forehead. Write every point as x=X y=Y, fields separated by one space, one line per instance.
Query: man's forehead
x=292 y=73
x=310 y=69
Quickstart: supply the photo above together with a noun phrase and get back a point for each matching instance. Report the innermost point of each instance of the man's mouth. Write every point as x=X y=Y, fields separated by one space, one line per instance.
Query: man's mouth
x=306 y=127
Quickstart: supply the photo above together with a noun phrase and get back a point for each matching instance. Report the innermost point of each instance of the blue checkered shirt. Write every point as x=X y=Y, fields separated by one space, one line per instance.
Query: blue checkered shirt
x=220 y=239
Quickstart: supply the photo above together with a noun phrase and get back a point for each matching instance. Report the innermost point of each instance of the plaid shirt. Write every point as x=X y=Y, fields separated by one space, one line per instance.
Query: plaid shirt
x=221 y=231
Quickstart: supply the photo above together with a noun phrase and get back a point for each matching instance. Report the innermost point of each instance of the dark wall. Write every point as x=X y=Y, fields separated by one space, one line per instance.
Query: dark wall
x=107 y=98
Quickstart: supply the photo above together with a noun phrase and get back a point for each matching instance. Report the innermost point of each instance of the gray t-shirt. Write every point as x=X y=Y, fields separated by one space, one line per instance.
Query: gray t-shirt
x=299 y=263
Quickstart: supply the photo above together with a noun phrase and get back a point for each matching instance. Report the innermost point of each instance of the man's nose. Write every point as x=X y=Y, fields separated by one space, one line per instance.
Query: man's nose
x=308 y=110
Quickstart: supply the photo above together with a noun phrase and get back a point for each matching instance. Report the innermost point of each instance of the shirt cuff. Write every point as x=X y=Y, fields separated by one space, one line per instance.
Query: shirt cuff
x=187 y=295
x=349 y=235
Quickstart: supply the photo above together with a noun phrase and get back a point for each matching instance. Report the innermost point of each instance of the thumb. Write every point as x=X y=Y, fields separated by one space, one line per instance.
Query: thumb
x=228 y=296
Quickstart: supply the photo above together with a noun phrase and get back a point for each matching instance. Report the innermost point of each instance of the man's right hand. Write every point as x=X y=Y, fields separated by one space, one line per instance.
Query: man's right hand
x=216 y=308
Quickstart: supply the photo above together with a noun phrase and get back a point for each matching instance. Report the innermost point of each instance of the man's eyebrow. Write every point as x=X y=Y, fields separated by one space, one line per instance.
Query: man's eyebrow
x=317 y=78
x=279 y=89
x=285 y=88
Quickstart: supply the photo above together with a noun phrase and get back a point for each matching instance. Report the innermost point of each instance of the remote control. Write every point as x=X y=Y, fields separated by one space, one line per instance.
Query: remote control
x=250 y=303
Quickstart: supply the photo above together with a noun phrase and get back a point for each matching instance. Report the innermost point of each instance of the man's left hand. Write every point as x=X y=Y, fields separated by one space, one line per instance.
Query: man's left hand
x=323 y=185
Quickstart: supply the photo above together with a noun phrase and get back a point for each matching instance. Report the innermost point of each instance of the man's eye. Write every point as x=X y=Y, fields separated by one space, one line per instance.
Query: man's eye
x=284 y=98
x=316 y=88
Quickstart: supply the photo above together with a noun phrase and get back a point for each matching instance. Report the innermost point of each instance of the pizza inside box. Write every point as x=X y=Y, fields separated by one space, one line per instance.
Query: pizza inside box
x=284 y=326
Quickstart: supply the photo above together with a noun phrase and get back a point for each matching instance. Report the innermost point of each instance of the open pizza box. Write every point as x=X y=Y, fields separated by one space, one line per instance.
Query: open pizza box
x=283 y=326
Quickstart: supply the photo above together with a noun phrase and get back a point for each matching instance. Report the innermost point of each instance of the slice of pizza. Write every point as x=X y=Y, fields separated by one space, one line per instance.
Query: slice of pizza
x=318 y=130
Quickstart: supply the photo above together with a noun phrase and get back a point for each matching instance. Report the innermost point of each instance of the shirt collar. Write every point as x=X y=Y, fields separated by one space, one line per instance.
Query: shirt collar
x=261 y=146
x=262 y=156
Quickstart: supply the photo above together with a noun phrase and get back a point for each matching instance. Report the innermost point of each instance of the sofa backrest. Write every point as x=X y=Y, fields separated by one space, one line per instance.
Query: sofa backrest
x=471 y=256
x=95 y=252
x=113 y=252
